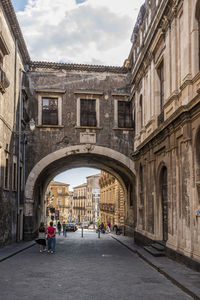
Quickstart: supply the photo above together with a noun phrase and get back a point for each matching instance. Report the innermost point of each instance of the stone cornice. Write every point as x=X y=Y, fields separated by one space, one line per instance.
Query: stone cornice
x=12 y=19
x=175 y=117
x=148 y=39
x=76 y=67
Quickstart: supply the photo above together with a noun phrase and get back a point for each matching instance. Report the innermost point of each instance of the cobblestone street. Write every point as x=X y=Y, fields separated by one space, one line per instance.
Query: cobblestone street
x=83 y=268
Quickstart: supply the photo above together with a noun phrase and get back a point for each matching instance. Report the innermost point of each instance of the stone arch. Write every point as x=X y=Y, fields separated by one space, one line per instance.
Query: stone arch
x=88 y=155
x=161 y=221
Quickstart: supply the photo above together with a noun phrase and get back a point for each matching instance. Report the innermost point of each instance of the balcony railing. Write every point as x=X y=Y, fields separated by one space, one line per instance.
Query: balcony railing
x=107 y=207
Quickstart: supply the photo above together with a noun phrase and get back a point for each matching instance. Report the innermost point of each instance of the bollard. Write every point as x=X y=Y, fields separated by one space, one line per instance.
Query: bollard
x=82 y=232
x=99 y=234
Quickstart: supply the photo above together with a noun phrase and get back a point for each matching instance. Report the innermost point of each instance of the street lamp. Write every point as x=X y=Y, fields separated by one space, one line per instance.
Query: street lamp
x=32 y=124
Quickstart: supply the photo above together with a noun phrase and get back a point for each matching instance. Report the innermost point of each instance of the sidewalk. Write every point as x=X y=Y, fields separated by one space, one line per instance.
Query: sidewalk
x=185 y=278
x=10 y=250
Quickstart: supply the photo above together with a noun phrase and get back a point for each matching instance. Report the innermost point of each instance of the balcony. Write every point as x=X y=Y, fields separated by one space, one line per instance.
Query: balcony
x=4 y=82
x=107 y=207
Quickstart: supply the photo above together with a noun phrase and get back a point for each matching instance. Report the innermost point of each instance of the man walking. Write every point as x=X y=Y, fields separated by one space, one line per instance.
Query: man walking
x=51 y=238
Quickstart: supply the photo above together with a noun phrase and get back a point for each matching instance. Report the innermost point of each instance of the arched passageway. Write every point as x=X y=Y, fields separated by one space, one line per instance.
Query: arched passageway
x=98 y=157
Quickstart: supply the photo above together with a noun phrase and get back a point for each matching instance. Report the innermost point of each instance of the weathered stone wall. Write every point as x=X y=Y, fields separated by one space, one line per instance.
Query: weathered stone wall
x=105 y=85
x=69 y=134
x=12 y=62
x=166 y=132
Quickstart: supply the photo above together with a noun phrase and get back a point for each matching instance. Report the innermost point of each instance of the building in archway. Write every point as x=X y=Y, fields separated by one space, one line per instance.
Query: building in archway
x=93 y=196
x=58 y=202
x=111 y=200
x=80 y=203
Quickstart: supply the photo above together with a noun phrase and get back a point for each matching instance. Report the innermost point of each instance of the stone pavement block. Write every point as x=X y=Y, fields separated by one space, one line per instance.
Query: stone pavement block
x=12 y=249
x=184 y=277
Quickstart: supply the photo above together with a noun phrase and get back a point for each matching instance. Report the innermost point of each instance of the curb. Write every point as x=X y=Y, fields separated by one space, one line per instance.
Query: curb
x=18 y=251
x=170 y=278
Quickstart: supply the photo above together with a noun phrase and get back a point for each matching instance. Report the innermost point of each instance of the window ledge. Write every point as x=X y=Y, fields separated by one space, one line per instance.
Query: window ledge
x=123 y=129
x=50 y=126
x=88 y=127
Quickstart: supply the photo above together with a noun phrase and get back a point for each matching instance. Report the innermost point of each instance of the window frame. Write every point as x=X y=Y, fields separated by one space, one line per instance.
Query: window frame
x=116 y=113
x=49 y=95
x=97 y=108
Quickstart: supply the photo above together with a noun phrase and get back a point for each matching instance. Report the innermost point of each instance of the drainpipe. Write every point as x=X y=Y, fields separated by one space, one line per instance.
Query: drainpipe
x=19 y=156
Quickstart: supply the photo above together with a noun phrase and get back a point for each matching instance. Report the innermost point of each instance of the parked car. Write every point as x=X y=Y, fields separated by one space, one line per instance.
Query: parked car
x=71 y=227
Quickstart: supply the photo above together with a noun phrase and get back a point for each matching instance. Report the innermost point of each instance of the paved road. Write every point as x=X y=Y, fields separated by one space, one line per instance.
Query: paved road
x=85 y=268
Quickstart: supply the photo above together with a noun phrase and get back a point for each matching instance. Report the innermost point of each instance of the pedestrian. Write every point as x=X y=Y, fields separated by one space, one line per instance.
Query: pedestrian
x=64 y=229
x=59 y=228
x=107 y=229
x=41 y=237
x=51 y=238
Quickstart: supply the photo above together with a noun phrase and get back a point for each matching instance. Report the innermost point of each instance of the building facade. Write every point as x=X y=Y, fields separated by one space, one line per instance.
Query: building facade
x=13 y=119
x=111 y=200
x=80 y=203
x=93 y=195
x=165 y=80
x=58 y=202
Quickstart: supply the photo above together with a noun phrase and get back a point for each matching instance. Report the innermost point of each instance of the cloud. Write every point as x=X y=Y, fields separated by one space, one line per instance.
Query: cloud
x=91 y=31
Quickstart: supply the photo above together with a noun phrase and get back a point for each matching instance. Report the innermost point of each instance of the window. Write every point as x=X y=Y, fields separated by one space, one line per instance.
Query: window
x=88 y=113
x=161 y=78
x=59 y=201
x=4 y=82
x=125 y=115
x=50 y=111
x=59 y=190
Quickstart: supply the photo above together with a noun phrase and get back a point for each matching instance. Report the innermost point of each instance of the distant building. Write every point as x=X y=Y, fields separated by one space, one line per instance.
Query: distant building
x=79 y=203
x=93 y=195
x=111 y=200
x=59 y=203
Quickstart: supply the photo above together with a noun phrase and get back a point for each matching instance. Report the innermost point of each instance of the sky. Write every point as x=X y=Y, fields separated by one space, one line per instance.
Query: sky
x=75 y=176
x=78 y=31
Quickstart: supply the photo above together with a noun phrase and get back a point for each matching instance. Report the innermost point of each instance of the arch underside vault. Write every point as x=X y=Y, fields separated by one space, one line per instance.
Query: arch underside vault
x=45 y=170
